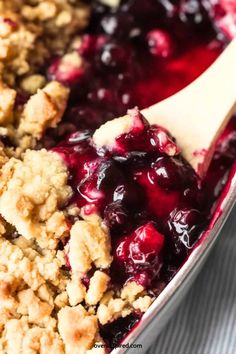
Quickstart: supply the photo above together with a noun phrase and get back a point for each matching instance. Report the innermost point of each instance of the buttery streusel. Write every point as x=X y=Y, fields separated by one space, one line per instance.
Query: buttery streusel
x=39 y=296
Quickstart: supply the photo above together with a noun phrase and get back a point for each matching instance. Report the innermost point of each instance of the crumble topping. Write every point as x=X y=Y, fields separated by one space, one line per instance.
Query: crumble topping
x=13 y=260
x=47 y=262
x=131 y=290
x=30 y=305
x=107 y=133
x=32 y=83
x=76 y=290
x=25 y=124
x=17 y=40
x=32 y=32
x=142 y=303
x=89 y=243
x=114 y=305
x=84 y=332
x=43 y=110
x=112 y=308
x=3 y=156
x=20 y=337
x=7 y=101
x=97 y=287
x=32 y=192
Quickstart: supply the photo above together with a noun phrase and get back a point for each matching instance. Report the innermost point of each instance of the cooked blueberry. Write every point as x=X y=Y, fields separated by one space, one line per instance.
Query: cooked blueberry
x=115 y=214
x=130 y=194
x=184 y=227
x=193 y=12
x=84 y=117
x=170 y=173
x=141 y=251
x=159 y=43
x=115 y=56
x=102 y=96
x=108 y=175
x=118 y=25
x=90 y=45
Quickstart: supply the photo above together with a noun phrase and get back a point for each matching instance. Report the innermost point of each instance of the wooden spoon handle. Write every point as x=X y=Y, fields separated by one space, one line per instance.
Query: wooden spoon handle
x=196 y=115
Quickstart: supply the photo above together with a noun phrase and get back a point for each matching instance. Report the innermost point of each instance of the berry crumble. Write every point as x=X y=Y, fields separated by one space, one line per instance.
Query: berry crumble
x=94 y=220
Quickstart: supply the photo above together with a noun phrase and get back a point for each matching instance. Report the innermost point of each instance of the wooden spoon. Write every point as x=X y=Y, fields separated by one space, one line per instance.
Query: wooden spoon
x=196 y=115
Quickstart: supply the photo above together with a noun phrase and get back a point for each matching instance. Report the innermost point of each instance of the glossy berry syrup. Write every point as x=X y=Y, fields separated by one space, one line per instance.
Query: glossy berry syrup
x=147 y=194
x=153 y=203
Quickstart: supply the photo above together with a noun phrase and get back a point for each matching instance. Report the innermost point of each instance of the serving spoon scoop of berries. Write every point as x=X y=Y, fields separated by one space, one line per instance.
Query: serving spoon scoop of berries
x=197 y=114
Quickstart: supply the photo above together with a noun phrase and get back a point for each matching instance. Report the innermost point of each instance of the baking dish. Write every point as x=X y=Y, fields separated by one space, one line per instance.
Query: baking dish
x=157 y=316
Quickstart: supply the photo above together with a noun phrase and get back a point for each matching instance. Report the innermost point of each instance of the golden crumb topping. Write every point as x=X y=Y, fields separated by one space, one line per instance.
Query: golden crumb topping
x=31 y=32
x=20 y=337
x=89 y=244
x=97 y=287
x=114 y=305
x=76 y=290
x=32 y=83
x=106 y=134
x=43 y=110
x=84 y=332
x=7 y=101
x=32 y=192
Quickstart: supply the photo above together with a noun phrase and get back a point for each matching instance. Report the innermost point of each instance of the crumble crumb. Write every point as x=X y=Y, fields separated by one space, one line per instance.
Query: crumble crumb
x=32 y=83
x=47 y=262
x=107 y=133
x=3 y=156
x=45 y=293
x=89 y=243
x=73 y=210
x=49 y=266
x=131 y=290
x=8 y=303
x=35 y=32
x=19 y=337
x=114 y=309
x=17 y=40
x=13 y=261
x=76 y=290
x=61 y=300
x=142 y=303
x=18 y=300
x=82 y=335
x=7 y=101
x=32 y=192
x=132 y=297
x=97 y=287
x=43 y=110
x=38 y=311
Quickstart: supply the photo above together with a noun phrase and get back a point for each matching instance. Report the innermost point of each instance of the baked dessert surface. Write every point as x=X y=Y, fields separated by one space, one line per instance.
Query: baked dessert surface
x=90 y=228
